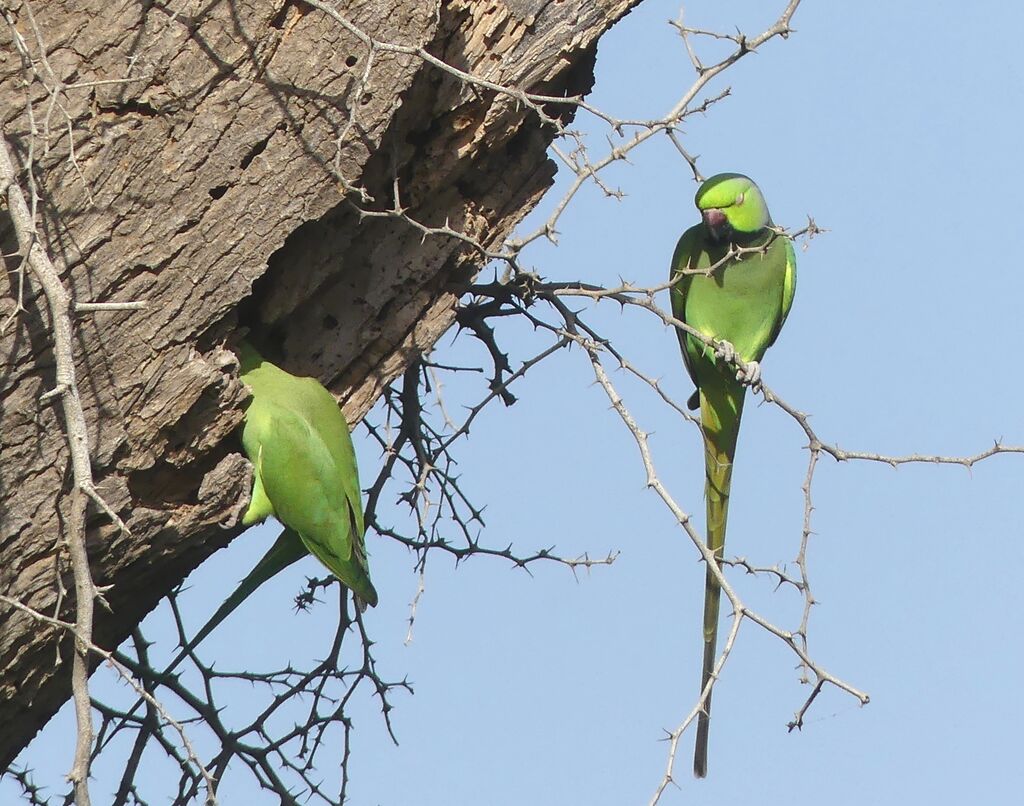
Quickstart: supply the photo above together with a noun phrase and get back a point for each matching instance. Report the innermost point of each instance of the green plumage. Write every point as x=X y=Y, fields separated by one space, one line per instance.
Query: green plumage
x=305 y=475
x=743 y=301
x=305 y=469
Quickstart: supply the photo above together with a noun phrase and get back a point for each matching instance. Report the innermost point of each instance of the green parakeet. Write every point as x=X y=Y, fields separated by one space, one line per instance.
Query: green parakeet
x=305 y=471
x=744 y=301
x=305 y=475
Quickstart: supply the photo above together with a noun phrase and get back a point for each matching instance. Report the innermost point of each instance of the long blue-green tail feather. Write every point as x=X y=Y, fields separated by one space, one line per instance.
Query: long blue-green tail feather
x=721 y=405
x=287 y=549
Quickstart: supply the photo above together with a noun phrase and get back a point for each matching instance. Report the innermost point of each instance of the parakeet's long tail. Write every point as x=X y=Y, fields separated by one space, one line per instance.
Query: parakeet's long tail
x=720 y=408
x=287 y=549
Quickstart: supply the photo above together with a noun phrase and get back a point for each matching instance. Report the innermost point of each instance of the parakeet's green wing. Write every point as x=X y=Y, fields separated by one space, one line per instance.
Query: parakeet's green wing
x=788 y=289
x=684 y=256
x=305 y=463
x=746 y=306
x=298 y=474
x=320 y=408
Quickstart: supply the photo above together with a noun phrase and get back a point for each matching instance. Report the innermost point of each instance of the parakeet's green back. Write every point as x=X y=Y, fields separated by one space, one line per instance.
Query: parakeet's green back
x=734 y=280
x=298 y=441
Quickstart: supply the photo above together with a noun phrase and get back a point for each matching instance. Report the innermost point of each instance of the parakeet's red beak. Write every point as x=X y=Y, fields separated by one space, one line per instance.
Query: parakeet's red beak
x=717 y=224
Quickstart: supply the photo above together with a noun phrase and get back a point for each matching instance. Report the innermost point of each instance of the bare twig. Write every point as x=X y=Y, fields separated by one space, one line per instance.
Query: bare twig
x=66 y=388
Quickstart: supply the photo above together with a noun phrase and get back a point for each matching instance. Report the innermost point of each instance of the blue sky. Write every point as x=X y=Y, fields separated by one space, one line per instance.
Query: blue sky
x=898 y=132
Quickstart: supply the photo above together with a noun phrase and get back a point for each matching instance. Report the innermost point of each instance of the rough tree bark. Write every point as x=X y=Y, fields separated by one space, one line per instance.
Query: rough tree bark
x=217 y=184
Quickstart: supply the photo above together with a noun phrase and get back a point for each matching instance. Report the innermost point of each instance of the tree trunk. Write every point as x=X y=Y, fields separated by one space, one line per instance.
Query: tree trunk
x=221 y=152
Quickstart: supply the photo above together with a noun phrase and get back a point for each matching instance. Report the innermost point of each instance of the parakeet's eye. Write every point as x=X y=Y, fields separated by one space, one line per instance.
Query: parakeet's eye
x=739 y=199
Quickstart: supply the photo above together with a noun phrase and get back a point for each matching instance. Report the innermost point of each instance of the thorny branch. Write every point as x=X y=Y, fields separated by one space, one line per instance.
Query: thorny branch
x=571 y=325
x=60 y=308
x=281 y=742
x=412 y=442
x=410 y=438
x=139 y=688
x=578 y=161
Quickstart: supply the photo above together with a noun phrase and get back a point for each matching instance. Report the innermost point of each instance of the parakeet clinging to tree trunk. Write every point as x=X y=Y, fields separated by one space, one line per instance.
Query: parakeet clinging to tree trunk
x=734 y=277
x=305 y=469
x=305 y=475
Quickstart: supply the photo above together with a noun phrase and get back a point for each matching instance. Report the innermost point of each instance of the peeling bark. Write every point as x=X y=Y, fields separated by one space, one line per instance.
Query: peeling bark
x=217 y=185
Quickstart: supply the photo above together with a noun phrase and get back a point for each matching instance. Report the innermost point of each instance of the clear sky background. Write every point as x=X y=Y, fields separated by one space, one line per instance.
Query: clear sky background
x=897 y=126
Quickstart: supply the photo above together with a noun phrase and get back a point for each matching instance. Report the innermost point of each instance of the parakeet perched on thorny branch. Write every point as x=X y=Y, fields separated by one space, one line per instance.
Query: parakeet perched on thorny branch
x=742 y=304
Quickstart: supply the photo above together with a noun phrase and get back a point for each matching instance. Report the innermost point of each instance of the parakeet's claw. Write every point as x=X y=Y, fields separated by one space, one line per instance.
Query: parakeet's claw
x=751 y=376
x=725 y=351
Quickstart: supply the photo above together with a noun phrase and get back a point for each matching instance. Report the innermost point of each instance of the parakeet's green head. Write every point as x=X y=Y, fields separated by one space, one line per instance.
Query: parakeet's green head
x=731 y=204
